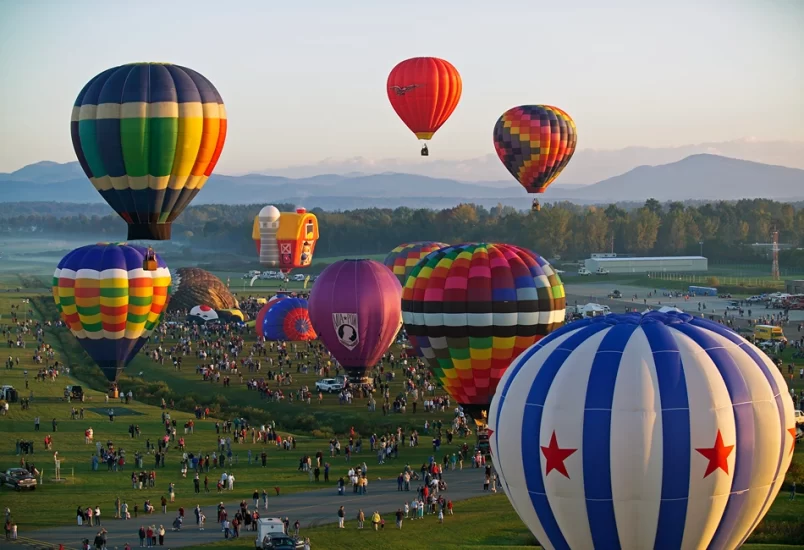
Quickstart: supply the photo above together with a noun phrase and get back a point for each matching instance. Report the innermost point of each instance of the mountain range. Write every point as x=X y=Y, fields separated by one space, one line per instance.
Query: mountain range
x=704 y=177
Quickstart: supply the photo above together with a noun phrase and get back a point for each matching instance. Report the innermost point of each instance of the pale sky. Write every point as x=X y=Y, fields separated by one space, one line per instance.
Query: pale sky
x=305 y=80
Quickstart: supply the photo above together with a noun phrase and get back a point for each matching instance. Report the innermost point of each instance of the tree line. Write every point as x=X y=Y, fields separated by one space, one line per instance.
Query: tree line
x=726 y=228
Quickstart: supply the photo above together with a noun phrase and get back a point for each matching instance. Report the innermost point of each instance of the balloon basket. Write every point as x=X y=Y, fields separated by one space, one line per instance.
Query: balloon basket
x=114 y=392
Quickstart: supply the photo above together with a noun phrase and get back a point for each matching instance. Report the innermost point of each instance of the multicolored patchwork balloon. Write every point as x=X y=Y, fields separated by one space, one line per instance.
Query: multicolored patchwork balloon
x=148 y=136
x=402 y=259
x=535 y=143
x=636 y=431
x=286 y=319
x=472 y=308
x=109 y=302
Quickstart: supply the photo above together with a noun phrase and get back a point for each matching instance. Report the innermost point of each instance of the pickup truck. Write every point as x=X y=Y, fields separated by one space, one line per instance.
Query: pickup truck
x=18 y=479
x=328 y=385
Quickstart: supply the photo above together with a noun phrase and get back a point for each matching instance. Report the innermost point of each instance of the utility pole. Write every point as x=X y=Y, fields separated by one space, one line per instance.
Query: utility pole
x=612 y=242
x=775 y=266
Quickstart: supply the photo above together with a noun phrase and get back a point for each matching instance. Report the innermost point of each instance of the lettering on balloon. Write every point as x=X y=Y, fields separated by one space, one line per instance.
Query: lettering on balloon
x=346 y=329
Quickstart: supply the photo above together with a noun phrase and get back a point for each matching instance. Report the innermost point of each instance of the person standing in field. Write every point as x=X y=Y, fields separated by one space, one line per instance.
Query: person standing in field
x=341 y=517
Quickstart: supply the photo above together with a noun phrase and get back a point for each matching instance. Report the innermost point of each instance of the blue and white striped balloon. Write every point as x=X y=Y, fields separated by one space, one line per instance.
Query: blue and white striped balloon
x=642 y=431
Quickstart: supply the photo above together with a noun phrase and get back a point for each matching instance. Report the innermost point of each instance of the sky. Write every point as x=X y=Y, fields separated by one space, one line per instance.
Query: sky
x=305 y=81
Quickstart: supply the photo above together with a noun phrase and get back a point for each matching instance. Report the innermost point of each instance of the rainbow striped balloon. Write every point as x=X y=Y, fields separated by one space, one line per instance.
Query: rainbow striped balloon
x=472 y=308
x=402 y=259
x=148 y=136
x=109 y=302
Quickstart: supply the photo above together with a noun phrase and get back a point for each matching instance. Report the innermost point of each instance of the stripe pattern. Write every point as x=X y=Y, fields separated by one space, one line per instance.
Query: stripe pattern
x=642 y=431
x=109 y=302
x=535 y=143
x=148 y=136
x=402 y=259
x=472 y=308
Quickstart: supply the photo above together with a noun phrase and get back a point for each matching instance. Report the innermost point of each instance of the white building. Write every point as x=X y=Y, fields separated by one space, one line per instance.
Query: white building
x=661 y=264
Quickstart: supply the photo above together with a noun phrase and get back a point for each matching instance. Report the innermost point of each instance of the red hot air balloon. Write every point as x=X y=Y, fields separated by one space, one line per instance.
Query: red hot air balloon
x=356 y=310
x=424 y=92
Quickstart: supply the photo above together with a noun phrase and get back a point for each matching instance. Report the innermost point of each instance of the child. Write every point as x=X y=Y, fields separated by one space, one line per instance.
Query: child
x=441 y=516
x=14 y=531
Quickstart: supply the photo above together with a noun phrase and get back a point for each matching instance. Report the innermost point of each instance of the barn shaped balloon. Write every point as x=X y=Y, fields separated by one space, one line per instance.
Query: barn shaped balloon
x=472 y=308
x=402 y=259
x=148 y=136
x=285 y=239
x=109 y=302
x=636 y=431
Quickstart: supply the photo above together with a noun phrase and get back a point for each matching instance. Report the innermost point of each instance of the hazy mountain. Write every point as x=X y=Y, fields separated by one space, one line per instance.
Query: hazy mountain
x=695 y=177
x=708 y=177
x=587 y=165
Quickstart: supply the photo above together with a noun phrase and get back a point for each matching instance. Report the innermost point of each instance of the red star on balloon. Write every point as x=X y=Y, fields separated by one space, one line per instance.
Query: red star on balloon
x=792 y=432
x=717 y=455
x=555 y=457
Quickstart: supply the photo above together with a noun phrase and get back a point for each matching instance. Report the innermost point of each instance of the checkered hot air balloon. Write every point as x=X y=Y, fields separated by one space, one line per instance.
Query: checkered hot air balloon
x=472 y=308
x=402 y=259
x=148 y=136
x=109 y=302
x=636 y=431
x=286 y=319
x=535 y=143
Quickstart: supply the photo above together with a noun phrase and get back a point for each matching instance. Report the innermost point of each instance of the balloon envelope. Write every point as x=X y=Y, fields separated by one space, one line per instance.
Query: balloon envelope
x=424 y=92
x=148 y=136
x=402 y=259
x=631 y=431
x=535 y=143
x=109 y=302
x=287 y=319
x=355 y=309
x=472 y=308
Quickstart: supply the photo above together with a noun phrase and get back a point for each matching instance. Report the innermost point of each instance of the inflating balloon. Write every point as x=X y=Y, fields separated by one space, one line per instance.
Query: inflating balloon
x=286 y=320
x=636 y=431
x=202 y=314
x=109 y=302
x=193 y=286
x=424 y=92
x=354 y=307
x=402 y=259
x=472 y=308
x=535 y=143
x=148 y=136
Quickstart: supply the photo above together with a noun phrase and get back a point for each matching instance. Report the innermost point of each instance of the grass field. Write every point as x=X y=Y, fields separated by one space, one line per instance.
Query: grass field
x=476 y=524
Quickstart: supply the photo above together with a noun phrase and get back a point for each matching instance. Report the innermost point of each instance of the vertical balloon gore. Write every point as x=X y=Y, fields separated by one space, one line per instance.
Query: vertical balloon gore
x=402 y=259
x=355 y=309
x=109 y=302
x=148 y=136
x=535 y=143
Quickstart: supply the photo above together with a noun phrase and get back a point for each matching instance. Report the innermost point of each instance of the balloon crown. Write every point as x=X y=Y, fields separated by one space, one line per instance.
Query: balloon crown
x=665 y=318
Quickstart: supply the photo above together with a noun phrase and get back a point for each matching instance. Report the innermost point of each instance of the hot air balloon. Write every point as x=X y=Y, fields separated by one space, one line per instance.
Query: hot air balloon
x=109 y=302
x=642 y=431
x=354 y=307
x=472 y=308
x=424 y=92
x=402 y=259
x=202 y=314
x=194 y=286
x=286 y=319
x=148 y=136
x=285 y=239
x=535 y=143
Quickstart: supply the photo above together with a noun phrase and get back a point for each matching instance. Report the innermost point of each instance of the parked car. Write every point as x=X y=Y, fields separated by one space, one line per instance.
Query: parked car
x=601 y=271
x=799 y=418
x=18 y=479
x=328 y=385
x=74 y=392
x=616 y=294
x=584 y=272
x=733 y=305
x=282 y=542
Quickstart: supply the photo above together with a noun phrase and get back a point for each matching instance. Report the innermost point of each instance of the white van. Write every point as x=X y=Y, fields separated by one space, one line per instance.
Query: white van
x=583 y=271
x=267 y=527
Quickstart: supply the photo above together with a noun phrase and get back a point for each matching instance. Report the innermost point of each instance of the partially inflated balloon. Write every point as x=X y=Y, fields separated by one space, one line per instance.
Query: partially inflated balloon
x=354 y=307
x=148 y=136
x=109 y=302
x=535 y=143
x=642 y=431
x=472 y=308
x=286 y=319
x=402 y=259
x=424 y=92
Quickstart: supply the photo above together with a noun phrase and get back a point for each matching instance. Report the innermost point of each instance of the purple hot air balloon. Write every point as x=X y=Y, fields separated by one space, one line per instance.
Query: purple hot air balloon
x=355 y=307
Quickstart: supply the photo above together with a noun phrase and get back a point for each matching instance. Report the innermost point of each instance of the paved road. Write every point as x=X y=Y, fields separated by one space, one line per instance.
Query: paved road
x=310 y=508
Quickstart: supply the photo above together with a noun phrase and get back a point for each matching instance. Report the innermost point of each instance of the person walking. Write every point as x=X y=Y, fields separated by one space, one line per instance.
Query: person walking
x=341 y=517
x=161 y=535
x=361 y=518
x=793 y=491
x=375 y=520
